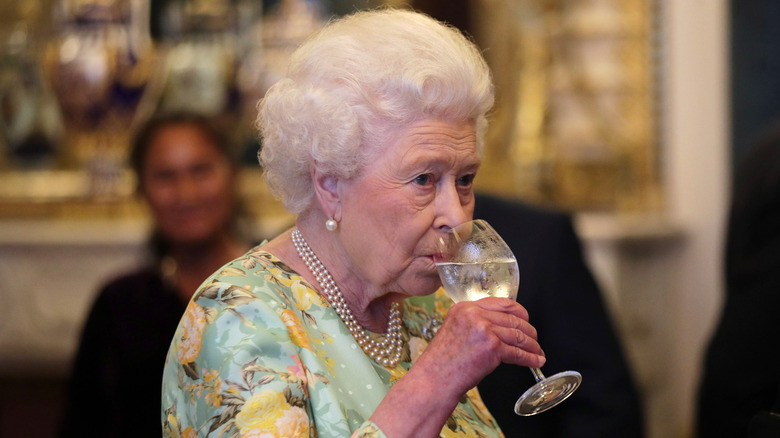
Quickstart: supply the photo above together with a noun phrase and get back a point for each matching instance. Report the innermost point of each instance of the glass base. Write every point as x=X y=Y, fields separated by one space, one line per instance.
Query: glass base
x=548 y=393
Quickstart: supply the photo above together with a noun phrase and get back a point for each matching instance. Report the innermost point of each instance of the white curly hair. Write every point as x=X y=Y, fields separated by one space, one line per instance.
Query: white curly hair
x=356 y=83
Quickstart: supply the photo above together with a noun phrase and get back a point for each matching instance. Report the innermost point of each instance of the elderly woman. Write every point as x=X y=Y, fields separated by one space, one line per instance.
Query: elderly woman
x=373 y=139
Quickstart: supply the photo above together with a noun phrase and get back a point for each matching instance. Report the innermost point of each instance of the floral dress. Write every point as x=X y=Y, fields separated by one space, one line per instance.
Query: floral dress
x=259 y=353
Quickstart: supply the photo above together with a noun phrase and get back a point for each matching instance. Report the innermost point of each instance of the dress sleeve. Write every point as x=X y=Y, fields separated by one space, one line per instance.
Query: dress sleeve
x=236 y=367
x=233 y=369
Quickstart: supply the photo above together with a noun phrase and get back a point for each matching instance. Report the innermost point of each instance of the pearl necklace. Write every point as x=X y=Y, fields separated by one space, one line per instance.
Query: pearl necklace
x=386 y=352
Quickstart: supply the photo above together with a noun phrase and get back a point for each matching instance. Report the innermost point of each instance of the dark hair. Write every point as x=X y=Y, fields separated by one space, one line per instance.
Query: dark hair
x=158 y=245
x=145 y=134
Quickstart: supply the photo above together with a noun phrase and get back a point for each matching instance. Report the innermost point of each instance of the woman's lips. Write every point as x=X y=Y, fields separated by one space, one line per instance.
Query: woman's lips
x=437 y=257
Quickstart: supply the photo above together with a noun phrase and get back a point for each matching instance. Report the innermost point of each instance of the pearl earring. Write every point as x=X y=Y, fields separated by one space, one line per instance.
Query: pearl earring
x=331 y=224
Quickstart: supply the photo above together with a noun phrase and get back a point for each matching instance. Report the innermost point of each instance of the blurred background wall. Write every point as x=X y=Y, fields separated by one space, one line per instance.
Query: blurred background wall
x=631 y=114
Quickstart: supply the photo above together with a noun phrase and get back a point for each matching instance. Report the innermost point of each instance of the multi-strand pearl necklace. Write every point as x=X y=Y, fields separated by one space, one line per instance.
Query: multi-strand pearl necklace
x=386 y=352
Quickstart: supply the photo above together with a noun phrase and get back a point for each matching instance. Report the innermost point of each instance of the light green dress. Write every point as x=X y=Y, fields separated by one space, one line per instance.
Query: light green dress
x=259 y=353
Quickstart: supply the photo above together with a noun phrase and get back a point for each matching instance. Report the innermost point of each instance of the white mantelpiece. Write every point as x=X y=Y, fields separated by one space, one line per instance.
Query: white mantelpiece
x=49 y=273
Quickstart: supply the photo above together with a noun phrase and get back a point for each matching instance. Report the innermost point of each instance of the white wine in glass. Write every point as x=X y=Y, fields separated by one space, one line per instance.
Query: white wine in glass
x=475 y=263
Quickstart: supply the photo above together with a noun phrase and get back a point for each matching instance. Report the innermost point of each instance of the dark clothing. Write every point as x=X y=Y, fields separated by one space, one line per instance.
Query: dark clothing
x=574 y=328
x=741 y=376
x=115 y=384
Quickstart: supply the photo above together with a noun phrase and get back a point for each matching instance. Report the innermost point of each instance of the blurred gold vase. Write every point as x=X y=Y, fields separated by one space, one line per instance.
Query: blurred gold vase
x=101 y=67
x=30 y=123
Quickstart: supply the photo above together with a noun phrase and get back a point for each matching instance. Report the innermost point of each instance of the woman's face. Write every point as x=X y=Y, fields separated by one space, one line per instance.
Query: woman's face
x=411 y=192
x=188 y=185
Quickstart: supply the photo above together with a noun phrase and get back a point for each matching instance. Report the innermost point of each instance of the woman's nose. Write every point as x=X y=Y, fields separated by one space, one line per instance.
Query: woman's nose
x=450 y=209
x=186 y=190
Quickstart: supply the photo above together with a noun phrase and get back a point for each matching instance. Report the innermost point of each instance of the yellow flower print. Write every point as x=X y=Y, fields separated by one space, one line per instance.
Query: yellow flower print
x=190 y=332
x=171 y=427
x=304 y=296
x=466 y=427
x=261 y=411
x=257 y=433
x=295 y=329
x=476 y=400
x=480 y=410
x=301 y=295
x=416 y=347
x=369 y=431
x=276 y=275
x=294 y=423
x=442 y=305
x=446 y=432
x=328 y=361
x=396 y=373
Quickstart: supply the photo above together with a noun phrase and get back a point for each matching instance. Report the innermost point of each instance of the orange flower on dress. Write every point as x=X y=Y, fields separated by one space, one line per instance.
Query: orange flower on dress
x=190 y=332
x=213 y=386
x=189 y=432
x=294 y=423
x=295 y=328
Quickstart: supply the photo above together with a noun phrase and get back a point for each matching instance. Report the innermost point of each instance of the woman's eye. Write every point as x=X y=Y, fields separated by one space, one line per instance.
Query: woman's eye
x=466 y=180
x=161 y=177
x=423 y=179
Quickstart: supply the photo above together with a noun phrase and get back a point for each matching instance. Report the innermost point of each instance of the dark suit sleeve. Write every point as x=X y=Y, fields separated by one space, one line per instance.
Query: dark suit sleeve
x=741 y=370
x=575 y=331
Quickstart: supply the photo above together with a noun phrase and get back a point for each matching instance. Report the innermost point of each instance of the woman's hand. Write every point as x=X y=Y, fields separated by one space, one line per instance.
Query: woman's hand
x=476 y=336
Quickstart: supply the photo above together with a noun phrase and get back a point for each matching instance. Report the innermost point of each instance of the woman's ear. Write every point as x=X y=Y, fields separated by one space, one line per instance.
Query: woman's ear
x=326 y=189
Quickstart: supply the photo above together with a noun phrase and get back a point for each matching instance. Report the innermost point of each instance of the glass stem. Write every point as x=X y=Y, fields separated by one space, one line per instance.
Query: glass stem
x=537 y=374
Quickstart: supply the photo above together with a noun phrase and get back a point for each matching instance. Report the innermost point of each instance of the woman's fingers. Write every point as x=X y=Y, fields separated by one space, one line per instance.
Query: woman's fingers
x=522 y=348
x=503 y=305
x=475 y=338
x=509 y=320
x=501 y=327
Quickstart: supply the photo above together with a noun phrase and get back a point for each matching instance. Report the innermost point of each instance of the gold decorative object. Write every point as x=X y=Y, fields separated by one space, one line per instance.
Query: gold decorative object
x=201 y=57
x=101 y=66
x=574 y=124
x=267 y=47
x=284 y=29
x=30 y=124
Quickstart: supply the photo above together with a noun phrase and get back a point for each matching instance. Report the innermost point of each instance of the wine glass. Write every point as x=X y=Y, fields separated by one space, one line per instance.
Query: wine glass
x=475 y=263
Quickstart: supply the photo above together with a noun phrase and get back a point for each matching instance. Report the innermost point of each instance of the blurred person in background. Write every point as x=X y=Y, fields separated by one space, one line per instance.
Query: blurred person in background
x=741 y=376
x=567 y=308
x=188 y=180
